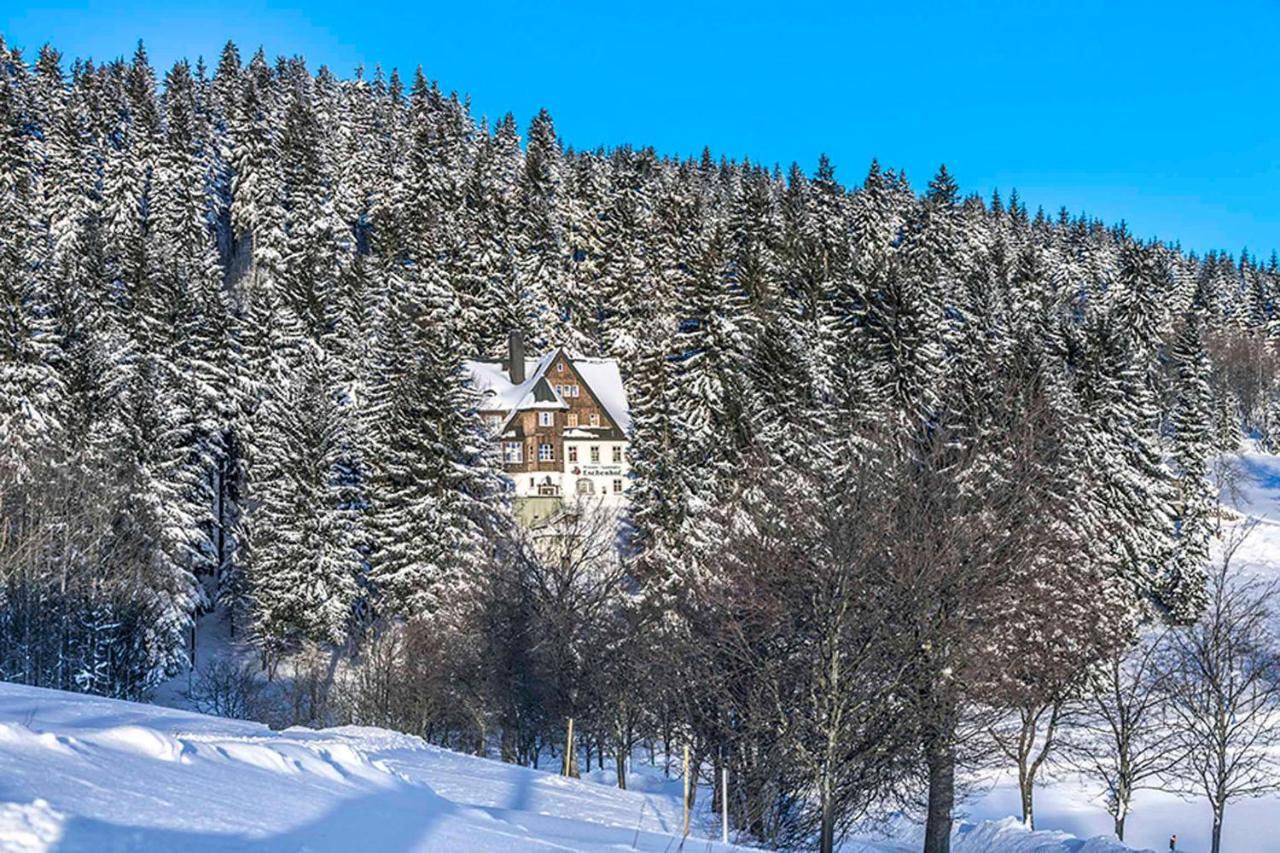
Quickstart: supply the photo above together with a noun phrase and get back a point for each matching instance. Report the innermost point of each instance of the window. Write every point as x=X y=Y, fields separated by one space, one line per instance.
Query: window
x=573 y=452
x=573 y=390
x=493 y=421
x=546 y=418
x=585 y=486
x=617 y=487
x=595 y=455
x=573 y=419
x=595 y=419
x=617 y=454
x=546 y=453
x=512 y=452
x=559 y=367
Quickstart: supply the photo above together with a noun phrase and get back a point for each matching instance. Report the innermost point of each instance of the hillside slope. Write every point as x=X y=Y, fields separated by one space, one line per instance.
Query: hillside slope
x=80 y=774
x=1068 y=803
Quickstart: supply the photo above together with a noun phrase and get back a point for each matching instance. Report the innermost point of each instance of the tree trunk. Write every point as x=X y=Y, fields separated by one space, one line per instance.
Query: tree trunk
x=621 y=761
x=1119 y=820
x=941 y=762
x=1025 y=790
x=1216 y=845
x=827 y=832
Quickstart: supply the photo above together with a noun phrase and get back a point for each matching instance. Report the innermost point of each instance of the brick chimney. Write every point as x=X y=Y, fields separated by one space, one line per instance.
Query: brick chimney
x=515 y=356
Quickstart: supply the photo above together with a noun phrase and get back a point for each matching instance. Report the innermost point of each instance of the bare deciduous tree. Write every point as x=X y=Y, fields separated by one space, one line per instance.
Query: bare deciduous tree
x=1122 y=736
x=1224 y=690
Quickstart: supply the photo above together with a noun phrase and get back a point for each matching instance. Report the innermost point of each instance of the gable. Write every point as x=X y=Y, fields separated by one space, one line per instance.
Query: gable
x=564 y=370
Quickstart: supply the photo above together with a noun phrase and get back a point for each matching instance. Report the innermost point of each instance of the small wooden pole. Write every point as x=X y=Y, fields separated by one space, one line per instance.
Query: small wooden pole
x=686 y=789
x=568 y=750
x=724 y=805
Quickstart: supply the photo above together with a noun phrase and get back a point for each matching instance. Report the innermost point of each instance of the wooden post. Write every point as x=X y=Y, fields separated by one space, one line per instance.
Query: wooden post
x=686 y=789
x=568 y=750
x=724 y=805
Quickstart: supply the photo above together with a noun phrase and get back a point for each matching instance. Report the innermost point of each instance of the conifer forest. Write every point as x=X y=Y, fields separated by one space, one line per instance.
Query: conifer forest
x=919 y=481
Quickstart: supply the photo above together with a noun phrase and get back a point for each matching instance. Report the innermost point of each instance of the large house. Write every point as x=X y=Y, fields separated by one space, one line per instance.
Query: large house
x=562 y=422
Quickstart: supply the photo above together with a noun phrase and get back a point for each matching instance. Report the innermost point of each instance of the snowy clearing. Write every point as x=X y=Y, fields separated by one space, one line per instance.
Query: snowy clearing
x=1076 y=806
x=87 y=774
x=81 y=773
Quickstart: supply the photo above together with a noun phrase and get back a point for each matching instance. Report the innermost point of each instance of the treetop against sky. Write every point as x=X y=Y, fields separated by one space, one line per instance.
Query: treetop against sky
x=1155 y=113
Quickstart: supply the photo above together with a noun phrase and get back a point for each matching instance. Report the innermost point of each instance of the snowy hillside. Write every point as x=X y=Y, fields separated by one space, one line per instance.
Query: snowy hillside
x=86 y=774
x=80 y=773
x=1065 y=803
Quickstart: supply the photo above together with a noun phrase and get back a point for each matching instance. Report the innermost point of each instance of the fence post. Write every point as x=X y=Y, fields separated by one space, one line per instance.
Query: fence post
x=686 y=789
x=724 y=804
x=568 y=750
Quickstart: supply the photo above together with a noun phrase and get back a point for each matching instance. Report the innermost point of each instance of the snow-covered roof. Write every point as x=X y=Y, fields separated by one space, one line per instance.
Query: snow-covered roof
x=498 y=392
x=605 y=380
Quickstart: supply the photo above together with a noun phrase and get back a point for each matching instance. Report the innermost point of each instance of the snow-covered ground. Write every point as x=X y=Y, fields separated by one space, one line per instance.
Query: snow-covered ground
x=81 y=773
x=1076 y=807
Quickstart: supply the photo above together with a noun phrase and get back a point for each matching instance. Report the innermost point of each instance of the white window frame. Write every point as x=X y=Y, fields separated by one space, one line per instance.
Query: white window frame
x=617 y=454
x=572 y=450
x=512 y=452
x=617 y=486
x=546 y=419
x=594 y=419
x=595 y=454
x=546 y=452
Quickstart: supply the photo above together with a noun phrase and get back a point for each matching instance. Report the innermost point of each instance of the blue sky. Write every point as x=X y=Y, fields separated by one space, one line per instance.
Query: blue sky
x=1163 y=114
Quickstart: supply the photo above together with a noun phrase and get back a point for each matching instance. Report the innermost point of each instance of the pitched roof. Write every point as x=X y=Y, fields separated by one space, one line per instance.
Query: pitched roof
x=605 y=380
x=498 y=392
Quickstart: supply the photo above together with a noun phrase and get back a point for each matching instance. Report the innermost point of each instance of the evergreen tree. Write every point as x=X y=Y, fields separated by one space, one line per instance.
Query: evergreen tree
x=305 y=568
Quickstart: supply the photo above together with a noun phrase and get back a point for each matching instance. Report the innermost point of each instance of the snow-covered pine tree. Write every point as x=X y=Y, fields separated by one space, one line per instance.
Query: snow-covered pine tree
x=434 y=488
x=1192 y=450
x=541 y=253
x=305 y=570
x=30 y=390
